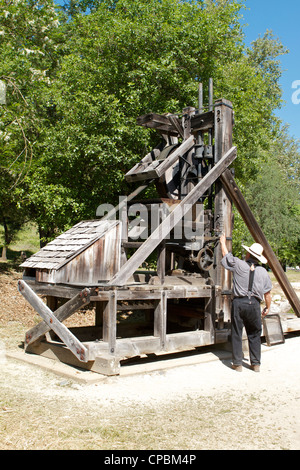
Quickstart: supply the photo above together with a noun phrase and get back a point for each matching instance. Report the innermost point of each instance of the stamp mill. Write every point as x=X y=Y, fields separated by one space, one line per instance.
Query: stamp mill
x=183 y=300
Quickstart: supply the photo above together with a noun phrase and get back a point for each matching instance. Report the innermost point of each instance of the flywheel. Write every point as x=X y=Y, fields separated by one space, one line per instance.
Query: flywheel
x=205 y=259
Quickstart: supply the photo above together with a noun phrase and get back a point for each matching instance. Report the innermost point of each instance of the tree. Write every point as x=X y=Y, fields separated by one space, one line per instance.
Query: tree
x=275 y=200
x=29 y=45
x=85 y=85
x=252 y=84
x=119 y=62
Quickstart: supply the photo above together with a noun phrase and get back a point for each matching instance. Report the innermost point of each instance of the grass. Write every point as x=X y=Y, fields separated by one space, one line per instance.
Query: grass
x=42 y=422
x=26 y=240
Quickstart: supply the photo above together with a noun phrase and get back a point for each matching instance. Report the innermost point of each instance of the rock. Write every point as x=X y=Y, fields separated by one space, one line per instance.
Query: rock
x=280 y=307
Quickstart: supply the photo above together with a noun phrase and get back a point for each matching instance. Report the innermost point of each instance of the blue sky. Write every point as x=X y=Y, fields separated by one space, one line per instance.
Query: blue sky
x=283 y=18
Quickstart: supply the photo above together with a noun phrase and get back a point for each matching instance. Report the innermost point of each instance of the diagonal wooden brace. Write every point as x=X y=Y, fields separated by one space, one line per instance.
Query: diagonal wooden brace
x=62 y=313
x=239 y=201
x=75 y=346
x=173 y=218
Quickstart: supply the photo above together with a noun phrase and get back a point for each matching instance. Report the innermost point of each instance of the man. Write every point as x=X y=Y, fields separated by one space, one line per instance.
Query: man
x=251 y=285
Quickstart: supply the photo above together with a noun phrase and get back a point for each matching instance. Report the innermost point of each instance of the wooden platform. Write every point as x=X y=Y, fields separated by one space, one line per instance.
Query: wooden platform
x=101 y=347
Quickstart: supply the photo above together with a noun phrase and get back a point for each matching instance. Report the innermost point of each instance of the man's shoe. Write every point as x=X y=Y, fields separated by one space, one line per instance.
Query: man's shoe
x=237 y=368
x=255 y=367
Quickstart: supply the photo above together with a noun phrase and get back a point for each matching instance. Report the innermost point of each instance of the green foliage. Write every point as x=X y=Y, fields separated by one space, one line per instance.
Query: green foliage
x=77 y=81
x=119 y=63
x=275 y=200
x=28 y=47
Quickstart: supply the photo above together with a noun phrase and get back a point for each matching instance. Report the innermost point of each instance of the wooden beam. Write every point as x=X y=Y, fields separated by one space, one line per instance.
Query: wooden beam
x=77 y=348
x=185 y=146
x=154 y=292
x=222 y=207
x=258 y=235
x=113 y=213
x=55 y=290
x=199 y=122
x=62 y=313
x=202 y=122
x=158 y=122
x=171 y=220
x=177 y=124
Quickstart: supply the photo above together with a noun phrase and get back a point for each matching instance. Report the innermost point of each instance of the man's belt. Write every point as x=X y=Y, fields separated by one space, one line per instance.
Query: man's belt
x=246 y=297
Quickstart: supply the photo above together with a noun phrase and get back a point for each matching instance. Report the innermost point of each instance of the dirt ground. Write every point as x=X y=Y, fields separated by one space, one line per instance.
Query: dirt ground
x=197 y=403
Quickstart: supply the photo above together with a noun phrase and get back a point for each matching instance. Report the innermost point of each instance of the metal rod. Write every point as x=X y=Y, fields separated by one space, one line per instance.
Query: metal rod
x=200 y=98
x=210 y=95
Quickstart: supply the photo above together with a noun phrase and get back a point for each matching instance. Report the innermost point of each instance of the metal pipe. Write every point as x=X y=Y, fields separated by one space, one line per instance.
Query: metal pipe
x=200 y=98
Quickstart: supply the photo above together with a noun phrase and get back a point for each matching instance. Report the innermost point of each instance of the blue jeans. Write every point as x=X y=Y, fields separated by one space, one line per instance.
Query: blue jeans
x=246 y=313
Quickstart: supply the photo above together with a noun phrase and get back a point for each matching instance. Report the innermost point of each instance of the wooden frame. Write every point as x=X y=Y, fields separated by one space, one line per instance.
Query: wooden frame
x=174 y=217
x=272 y=329
x=103 y=346
x=104 y=355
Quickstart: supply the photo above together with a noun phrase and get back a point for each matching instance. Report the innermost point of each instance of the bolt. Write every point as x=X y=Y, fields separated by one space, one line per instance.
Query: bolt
x=28 y=338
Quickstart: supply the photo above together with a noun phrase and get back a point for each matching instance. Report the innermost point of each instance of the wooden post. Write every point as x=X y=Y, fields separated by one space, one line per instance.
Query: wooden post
x=161 y=261
x=173 y=218
x=209 y=312
x=110 y=322
x=223 y=206
x=99 y=309
x=160 y=319
x=258 y=235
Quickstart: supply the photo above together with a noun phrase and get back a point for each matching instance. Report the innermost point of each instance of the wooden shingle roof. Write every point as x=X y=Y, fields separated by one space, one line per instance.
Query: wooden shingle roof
x=68 y=245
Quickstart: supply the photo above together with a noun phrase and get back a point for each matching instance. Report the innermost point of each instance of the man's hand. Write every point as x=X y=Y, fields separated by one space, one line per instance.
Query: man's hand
x=268 y=300
x=223 y=244
x=222 y=238
x=265 y=312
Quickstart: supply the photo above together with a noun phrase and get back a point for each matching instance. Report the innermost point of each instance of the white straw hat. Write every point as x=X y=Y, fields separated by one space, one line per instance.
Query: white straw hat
x=256 y=250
